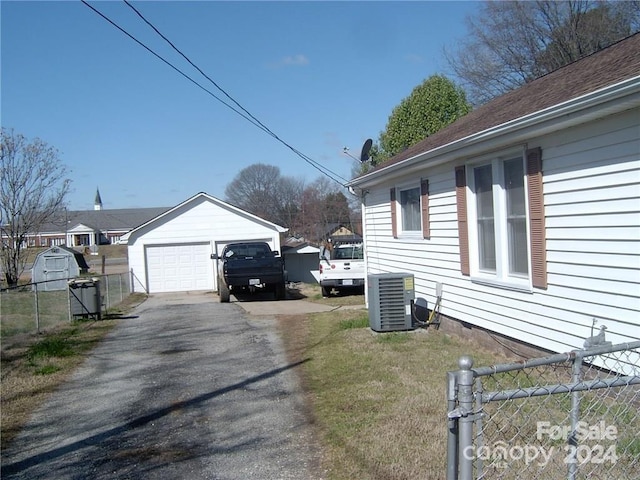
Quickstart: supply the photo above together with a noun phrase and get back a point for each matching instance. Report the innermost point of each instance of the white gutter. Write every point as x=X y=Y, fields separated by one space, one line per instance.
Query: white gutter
x=568 y=110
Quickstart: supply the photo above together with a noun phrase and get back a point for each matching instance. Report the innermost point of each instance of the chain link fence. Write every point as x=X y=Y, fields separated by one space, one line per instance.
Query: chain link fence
x=574 y=415
x=33 y=308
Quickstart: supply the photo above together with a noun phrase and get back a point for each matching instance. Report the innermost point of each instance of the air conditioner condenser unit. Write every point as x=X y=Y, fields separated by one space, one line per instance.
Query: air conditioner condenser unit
x=390 y=301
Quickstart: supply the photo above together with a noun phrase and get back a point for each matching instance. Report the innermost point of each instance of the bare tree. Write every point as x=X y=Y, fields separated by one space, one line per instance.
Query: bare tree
x=254 y=189
x=261 y=190
x=33 y=188
x=322 y=205
x=289 y=194
x=510 y=43
x=306 y=210
x=311 y=216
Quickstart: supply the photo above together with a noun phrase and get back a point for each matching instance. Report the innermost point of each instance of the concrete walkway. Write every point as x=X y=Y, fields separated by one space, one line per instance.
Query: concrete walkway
x=185 y=388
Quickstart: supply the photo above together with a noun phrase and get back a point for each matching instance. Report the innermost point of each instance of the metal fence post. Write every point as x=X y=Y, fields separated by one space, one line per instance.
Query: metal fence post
x=108 y=301
x=452 y=427
x=574 y=415
x=529 y=417
x=37 y=308
x=465 y=422
x=479 y=426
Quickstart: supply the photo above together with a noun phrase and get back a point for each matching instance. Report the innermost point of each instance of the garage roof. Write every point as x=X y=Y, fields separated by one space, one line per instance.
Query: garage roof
x=195 y=199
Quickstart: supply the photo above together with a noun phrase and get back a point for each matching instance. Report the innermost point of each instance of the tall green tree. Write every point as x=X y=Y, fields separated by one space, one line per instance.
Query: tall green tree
x=510 y=43
x=431 y=106
x=33 y=188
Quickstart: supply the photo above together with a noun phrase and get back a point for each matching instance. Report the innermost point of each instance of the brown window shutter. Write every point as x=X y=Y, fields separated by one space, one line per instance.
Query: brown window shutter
x=461 y=207
x=424 y=202
x=394 y=223
x=536 y=218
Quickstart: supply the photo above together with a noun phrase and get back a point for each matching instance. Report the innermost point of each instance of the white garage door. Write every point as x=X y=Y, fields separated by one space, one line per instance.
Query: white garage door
x=179 y=268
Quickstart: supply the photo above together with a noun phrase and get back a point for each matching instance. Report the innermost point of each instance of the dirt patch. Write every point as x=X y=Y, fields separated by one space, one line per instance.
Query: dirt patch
x=294 y=331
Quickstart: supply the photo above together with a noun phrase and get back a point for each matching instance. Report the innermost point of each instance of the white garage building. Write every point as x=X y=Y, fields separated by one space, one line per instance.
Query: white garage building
x=172 y=252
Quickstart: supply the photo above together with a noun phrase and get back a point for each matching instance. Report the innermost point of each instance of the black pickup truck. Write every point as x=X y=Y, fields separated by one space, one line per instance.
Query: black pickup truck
x=250 y=267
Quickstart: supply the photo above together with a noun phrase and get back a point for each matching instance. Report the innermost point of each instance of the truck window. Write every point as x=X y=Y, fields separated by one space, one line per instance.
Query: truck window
x=246 y=251
x=348 y=253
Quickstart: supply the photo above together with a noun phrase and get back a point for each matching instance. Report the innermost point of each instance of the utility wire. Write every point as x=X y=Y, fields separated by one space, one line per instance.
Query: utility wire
x=262 y=125
x=242 y=112
x=195 y=66
x=165 y=61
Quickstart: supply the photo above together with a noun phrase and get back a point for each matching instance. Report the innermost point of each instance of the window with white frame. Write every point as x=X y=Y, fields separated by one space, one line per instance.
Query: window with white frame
x=498 y=220
x=410 y=210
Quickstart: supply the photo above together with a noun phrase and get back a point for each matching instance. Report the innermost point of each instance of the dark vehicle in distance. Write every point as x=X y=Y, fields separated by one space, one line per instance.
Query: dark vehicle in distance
x=250 y=267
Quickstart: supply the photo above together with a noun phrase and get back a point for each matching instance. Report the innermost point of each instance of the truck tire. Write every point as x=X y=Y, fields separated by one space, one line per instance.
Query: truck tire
x=280 y=291
x=224 y=291
x=325 y=291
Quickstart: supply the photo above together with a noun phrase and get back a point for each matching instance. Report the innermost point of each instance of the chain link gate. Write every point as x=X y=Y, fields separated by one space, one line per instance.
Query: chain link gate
x=574 y=415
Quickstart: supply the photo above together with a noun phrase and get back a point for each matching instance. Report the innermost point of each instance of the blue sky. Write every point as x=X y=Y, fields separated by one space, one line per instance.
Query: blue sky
x=321 y=75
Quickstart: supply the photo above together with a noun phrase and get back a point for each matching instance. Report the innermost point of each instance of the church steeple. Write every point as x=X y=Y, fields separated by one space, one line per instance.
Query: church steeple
x=97 y=204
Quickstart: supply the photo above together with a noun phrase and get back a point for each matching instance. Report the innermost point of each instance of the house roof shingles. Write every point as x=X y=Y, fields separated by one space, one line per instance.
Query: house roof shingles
x=124 y=219
x=614 y=64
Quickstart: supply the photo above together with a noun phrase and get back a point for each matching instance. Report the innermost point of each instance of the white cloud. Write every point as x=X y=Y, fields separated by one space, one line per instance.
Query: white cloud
x=292 y=60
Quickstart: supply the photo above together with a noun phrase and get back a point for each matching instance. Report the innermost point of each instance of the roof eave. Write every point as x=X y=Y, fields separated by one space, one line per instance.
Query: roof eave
x=212 y=199
x=622 y=96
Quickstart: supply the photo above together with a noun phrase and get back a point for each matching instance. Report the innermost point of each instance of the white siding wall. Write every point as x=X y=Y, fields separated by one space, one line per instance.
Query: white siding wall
x=592 y=207
x=202 y=220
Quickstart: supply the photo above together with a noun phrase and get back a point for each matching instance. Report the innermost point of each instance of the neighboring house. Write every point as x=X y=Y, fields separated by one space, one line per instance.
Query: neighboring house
x=328 y=232
x=91 y=227
x=107 y=226
x=172 y=252
x=337 y=230
x=527 y=210
x=338 y=233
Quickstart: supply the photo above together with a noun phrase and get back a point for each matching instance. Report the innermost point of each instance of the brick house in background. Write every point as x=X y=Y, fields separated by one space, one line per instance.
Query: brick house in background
x=77 y=228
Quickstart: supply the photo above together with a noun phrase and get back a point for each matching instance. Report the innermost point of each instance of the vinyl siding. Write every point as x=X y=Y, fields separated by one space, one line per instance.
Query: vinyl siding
x=591 y=185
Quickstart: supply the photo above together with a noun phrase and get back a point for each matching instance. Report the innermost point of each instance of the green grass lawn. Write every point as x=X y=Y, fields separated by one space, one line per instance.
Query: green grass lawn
x=378 y=399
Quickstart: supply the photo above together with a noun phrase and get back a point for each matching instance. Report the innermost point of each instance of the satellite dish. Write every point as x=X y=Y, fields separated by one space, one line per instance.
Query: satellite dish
x=364 y=155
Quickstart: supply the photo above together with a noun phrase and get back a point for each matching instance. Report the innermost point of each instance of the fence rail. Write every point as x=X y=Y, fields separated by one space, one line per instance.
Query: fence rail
x=32 y=308
x=573 y=415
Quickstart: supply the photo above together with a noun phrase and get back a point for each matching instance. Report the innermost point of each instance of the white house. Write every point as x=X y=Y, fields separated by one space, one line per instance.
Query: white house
x=172 y=252
x=527 y=210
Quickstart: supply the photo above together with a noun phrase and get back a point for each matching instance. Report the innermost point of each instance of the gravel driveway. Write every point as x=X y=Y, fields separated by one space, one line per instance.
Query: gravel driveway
x=185 y=388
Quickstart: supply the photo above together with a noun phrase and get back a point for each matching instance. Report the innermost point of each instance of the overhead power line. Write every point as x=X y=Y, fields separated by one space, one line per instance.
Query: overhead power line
x=240 y=110
x=162 y=59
